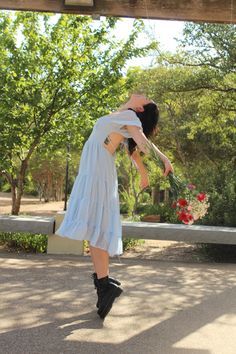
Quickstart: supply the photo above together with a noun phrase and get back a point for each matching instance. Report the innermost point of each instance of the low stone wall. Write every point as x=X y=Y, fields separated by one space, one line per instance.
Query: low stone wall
x=141 y=230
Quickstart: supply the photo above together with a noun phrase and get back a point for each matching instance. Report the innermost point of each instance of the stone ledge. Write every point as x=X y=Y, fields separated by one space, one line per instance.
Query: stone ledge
x=142 y=230
x=178 y=232
x=32 y=224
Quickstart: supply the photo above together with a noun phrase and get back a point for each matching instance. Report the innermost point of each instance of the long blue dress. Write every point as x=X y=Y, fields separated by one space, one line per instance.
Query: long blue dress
x=93 y=211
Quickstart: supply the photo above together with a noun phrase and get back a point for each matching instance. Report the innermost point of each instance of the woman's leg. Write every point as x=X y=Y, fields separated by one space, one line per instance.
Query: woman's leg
x=107 y=291
x=100 y=260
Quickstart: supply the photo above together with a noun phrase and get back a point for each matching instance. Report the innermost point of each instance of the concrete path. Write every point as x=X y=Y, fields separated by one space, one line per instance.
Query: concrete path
x=47 y=306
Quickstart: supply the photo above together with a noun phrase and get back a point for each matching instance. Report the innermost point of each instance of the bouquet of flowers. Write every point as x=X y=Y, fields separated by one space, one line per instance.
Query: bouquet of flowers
x=189 y=203
x=192 y=206
x=176 y=185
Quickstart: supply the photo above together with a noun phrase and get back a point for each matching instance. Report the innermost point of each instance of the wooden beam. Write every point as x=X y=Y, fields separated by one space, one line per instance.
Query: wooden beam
x=186 y=10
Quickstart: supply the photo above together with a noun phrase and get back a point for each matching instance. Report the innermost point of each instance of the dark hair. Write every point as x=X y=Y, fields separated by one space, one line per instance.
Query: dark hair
x=149 y=119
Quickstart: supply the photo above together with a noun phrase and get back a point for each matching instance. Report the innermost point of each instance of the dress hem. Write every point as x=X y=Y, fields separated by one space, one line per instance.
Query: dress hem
x=86 y=239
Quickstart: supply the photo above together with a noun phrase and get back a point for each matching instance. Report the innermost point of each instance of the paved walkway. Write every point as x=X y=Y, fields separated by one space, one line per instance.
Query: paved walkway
x=47 y=307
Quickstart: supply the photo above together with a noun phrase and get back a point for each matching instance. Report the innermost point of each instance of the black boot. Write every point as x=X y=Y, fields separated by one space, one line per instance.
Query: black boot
x=95 y=281
x=107 y=292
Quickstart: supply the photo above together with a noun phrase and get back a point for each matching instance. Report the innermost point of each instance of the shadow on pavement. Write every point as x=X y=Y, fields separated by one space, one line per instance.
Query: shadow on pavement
x=48 y=306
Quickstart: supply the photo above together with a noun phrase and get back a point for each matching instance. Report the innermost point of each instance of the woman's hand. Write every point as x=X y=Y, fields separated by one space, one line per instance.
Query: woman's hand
x=144 y=146
x=168 y=167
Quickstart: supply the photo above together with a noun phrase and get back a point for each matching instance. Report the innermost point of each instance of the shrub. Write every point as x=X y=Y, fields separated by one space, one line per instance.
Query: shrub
x=219 y=181
x=128 y=202
x=222 y=211
x=145 y=198
x=218 y=252
x=124 y=208
x=166 y=213
x=36 y=243
x=130 y=243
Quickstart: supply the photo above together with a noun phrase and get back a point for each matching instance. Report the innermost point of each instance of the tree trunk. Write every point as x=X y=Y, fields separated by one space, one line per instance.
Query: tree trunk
x=17 y=185
x=16 y=203
x=13 y=196
x=18 y=188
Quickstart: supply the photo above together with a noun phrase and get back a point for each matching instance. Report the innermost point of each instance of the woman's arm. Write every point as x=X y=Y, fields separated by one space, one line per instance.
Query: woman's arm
x=142 y=142
x=144 y=182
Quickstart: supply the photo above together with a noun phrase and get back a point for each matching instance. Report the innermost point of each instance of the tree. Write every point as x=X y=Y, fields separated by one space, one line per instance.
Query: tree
x=195 y=89
x=56 y=77
x=48 y=174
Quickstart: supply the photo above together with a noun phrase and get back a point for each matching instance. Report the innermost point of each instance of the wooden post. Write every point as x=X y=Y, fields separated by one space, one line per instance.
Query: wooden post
x=155 y=195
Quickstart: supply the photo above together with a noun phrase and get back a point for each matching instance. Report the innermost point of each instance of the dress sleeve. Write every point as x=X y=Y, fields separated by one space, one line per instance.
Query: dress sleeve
x=127 y=117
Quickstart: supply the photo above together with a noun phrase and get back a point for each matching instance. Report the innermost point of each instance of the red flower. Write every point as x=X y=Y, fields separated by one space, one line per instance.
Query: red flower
x=185 y=217
x=189 y=217
x=182 y=216
x=182 y=202
x=174 y=205
x=201 y=196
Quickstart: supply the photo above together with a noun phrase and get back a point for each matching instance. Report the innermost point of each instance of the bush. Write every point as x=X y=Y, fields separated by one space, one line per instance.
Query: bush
x=124 y=208
x=219 y=182
x=218 y=252
x=130 y=243
x=166 y=213
x=145 y=198
x=36 y=243
x=128 y=202
x=222 y=210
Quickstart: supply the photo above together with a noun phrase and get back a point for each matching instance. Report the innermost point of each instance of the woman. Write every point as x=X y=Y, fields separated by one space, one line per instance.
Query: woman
x=93 y=211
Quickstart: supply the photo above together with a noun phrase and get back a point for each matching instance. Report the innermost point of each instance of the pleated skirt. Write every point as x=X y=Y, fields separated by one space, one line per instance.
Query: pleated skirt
x=93 y=211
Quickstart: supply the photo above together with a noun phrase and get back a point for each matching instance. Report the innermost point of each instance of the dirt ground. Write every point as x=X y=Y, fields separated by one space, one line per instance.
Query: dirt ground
x=151 y=249
x=30 y=205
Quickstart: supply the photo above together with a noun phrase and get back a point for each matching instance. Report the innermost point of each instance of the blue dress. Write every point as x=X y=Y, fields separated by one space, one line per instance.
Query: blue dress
x=93 y=211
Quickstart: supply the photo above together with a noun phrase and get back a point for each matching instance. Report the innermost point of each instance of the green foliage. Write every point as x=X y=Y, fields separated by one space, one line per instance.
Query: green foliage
x=212 y=45
x=128 y=202
x=128 y=180
x=130 y=243
x=5 y=186
x=218 y=252
x=56 y=77
x=124 y=208
x=220 y=183
x=59 y=78
x=145 y=198
x=167 y=214
x=195 y=91
x=36 y=243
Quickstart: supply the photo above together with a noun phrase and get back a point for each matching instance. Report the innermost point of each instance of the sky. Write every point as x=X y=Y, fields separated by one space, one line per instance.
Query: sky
x=164 y=31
